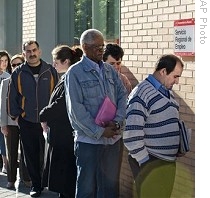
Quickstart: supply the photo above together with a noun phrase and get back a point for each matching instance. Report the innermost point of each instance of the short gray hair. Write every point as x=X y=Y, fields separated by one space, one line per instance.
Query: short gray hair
x=89 y=35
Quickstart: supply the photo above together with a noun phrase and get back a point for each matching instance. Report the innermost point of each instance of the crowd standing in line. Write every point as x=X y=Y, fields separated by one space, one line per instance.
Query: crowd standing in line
x=29 y=91
x=97 y=148
x=11 y=133
x=84 y=159
x=60 y=170
x=152 y=132
x=5 y=71
x=61 y=133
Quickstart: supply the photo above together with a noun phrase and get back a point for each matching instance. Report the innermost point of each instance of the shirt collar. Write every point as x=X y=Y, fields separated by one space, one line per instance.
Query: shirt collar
x=154 y=81
x=158 y=85
x=94 y=65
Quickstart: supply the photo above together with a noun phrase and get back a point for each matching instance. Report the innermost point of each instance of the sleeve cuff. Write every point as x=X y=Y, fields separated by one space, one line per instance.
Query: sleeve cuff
x=144 y=160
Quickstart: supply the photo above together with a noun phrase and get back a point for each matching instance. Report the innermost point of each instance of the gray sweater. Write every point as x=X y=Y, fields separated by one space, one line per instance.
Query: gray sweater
x=151 y=124
x=4 y=118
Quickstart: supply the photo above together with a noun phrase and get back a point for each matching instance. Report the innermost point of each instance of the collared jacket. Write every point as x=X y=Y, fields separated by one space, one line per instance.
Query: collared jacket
x=26 y=96
x=85 y=92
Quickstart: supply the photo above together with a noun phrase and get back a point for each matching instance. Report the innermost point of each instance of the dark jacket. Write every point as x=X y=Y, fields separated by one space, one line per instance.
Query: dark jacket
x=60 y=170
x=26 y=97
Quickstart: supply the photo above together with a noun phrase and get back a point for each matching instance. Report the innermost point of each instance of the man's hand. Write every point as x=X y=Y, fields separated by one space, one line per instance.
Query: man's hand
x=111 y=130
x=44 y=126
x=4 y=130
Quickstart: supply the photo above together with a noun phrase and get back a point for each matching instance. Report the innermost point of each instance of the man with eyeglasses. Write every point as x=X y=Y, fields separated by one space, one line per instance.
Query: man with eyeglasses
x=97 y=147
x=29 y=92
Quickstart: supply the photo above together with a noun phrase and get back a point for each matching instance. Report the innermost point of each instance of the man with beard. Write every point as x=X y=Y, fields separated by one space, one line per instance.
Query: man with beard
x=29 y=91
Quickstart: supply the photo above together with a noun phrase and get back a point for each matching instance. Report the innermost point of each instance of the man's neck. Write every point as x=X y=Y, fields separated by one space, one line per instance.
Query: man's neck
x=35 y=64
x=157 y=76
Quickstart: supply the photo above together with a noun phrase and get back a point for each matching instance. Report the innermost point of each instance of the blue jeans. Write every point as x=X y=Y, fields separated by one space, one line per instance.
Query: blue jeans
x=98 y=169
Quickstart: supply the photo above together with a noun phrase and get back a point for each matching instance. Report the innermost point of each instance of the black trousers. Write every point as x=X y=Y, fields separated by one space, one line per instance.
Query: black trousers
x=33 y=146
x=12 y=144
x=154 y=178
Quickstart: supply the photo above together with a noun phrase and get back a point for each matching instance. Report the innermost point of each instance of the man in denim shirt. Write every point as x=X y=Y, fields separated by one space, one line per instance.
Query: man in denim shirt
x=98 y=149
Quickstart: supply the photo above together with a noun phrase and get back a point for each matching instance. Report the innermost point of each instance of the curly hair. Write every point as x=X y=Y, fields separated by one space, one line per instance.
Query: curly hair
x=114 y=50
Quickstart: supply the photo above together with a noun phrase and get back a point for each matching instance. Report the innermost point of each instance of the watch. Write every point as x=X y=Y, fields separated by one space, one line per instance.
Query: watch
x=117 y=124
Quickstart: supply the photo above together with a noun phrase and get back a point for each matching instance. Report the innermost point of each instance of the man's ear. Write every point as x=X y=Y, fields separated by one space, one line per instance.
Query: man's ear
x=163 y=71
x=67 y=61
x=84 y=47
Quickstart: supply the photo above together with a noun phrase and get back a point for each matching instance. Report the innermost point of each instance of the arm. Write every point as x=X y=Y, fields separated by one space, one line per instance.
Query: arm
x=76 y=110
x=121 y=98
x=53 y=110
x=13 y=98
x=133 y=135
x=3 y=112
x=126 y=83
x=3 y=95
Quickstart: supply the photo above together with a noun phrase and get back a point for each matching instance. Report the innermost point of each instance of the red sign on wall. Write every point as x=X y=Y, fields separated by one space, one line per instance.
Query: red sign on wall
x=184 y=37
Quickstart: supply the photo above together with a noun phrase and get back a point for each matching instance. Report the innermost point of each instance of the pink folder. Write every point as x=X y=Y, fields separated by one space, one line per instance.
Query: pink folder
x=106 y=112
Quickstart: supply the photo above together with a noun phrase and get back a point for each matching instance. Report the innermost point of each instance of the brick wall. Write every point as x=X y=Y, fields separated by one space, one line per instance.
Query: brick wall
x=29 y=20
x=147 y=32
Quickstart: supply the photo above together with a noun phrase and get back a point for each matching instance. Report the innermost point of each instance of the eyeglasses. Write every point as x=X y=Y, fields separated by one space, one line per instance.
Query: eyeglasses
x=15 y=65
x=97 y=47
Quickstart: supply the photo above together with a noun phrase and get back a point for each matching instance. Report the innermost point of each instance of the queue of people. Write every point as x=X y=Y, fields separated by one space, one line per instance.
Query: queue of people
x=56 y=105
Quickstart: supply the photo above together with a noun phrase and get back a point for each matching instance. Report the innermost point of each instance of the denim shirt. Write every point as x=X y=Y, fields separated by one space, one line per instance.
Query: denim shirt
x=85 y=91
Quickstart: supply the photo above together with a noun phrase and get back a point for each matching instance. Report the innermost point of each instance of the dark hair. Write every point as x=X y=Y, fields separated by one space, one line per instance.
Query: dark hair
x=63 y=52
x=169 y=62
x=5 y=53
x=114 y=50
x=30 y=42
x=78 y=50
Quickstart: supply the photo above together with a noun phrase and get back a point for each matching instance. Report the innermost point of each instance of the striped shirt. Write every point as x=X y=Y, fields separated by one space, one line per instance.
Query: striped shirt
x=152 y=122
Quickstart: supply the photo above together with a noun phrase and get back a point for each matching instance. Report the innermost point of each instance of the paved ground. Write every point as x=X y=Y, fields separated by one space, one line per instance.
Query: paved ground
x=21 y=190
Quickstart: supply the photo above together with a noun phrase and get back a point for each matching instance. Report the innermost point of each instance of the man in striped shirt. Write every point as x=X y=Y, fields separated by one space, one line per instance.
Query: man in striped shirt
x=152 y=131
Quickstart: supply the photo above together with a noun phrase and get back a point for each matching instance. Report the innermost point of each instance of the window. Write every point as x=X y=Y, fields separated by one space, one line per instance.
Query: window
x=99 y=14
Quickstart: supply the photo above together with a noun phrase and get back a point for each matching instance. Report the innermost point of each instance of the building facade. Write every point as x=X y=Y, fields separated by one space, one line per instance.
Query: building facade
x=144 y=29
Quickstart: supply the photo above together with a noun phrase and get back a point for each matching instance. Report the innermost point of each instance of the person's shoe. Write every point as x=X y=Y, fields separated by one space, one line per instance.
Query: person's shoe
x=35 y=192
x=60 y=195
x=10 y=185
